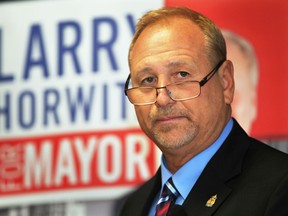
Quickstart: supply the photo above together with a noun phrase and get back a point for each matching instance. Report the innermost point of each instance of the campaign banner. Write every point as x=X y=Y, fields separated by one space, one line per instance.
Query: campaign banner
x=67 y=131
x=66 y=127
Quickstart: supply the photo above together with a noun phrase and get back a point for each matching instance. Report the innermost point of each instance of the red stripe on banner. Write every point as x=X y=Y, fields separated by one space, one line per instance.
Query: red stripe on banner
x=75 y=161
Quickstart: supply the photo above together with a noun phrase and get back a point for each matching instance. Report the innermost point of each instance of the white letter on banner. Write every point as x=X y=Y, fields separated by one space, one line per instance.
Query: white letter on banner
x=38 y=165
x=136 y=158
x=85 y=155
x=65 y=165
x=103 y=161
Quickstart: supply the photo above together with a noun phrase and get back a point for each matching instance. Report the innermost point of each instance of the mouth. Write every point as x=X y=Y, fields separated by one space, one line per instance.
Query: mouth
x=169 y=119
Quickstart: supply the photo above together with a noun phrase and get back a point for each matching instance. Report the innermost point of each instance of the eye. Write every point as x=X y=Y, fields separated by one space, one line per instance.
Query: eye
x=183 y=74
x=148 y=81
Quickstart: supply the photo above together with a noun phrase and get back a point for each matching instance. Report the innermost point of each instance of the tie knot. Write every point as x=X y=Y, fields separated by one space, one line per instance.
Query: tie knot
x=170 y=189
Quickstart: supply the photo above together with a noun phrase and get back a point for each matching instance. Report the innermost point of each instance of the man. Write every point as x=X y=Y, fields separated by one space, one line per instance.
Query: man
x=182 y=88
x=245 y=63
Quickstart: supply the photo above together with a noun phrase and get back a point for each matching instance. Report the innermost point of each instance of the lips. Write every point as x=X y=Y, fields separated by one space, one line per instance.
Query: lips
x=168 y=116
x=169 y=119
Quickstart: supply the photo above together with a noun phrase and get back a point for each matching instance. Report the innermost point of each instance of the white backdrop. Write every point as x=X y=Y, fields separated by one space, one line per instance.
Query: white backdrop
x=67 y=132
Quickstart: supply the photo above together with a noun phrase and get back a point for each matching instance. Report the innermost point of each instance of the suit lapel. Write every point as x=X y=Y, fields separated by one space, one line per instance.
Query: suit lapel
x=207 y=195
x=211 y=189
x=150 y=193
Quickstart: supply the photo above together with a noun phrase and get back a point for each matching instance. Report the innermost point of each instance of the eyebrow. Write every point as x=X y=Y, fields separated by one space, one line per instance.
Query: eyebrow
x=146 y=69
x=180 y=63
x=170 y=64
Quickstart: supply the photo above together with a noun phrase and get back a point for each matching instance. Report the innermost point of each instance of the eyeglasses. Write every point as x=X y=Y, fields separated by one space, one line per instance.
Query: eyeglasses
x=179 y=91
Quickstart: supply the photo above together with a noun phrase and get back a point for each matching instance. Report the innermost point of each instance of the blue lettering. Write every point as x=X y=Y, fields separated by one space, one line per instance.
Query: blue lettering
x=123 y=100
x=74 y=103
x=3 y=77
x=51 y=107
x=68 y=49
x=26 y=119
x=103 y=45
x=35 y=39
x=131 y=23
x=105 y=102
x=5 y=111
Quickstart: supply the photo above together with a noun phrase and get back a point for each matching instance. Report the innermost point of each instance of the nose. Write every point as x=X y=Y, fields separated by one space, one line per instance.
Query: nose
x=163 y=97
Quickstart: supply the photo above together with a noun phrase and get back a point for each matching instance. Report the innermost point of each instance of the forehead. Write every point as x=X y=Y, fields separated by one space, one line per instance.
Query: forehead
x=171 y=42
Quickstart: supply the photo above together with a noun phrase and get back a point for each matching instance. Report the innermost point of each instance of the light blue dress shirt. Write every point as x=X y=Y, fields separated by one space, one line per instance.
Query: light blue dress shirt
x=185 y=178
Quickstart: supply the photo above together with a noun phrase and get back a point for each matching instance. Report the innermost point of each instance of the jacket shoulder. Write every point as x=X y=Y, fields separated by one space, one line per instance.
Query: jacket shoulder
x=139 y=200
x=268 y=157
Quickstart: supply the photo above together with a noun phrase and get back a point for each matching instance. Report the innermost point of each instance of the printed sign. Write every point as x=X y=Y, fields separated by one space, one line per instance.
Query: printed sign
x=66 y=126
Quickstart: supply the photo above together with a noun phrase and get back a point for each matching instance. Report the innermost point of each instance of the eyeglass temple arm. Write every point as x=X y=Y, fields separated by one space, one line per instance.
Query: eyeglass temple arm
x=127 y=84
x=210 y=75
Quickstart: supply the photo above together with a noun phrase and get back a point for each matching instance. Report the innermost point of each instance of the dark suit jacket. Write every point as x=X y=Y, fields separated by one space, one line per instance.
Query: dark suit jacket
x=248 y=177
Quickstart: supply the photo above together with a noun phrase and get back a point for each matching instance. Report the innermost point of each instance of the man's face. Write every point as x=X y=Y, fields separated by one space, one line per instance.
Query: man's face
x=173 y=51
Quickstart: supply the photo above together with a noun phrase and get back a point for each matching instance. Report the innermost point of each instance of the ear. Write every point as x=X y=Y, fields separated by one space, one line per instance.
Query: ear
x=226 y=74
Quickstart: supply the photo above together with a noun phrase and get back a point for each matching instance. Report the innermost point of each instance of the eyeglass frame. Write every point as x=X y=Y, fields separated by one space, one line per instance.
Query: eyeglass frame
x=202 y=82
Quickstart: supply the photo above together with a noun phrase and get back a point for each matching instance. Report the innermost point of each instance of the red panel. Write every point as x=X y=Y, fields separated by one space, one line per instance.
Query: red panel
x=75 y=161
x=264 y=24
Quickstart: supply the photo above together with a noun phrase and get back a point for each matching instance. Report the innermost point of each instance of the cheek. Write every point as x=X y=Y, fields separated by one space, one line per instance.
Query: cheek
x=193 y=108
x=210 y=102
x=142 y=114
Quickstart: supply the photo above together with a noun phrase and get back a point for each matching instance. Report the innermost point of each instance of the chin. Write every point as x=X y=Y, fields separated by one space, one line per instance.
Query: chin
x=174 y=141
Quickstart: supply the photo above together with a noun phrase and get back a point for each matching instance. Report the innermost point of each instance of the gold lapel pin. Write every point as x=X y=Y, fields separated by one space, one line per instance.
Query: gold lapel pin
x=211 y=201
